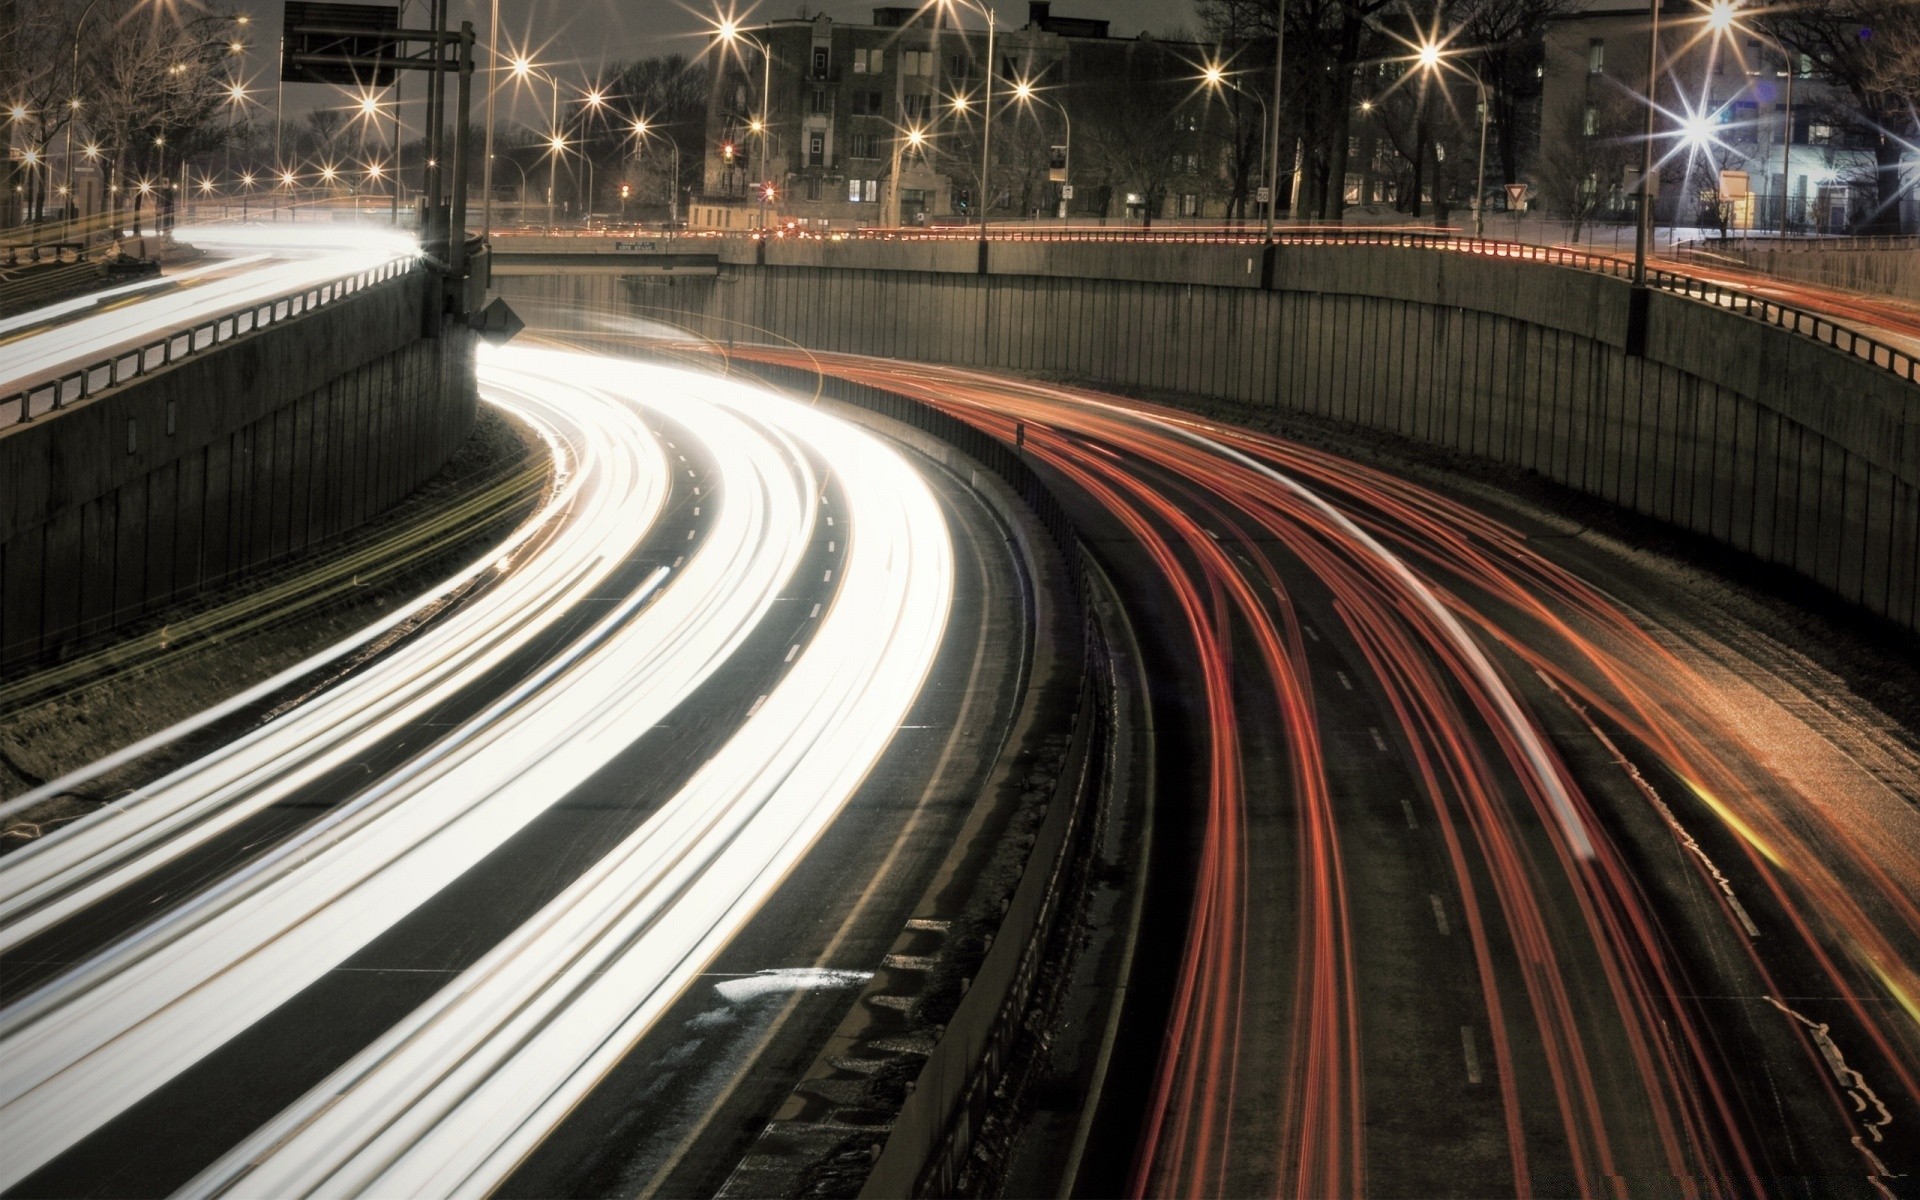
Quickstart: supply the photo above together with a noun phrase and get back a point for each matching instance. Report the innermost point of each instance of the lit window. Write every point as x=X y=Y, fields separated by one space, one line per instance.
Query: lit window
x=1596 y=56
x=1590 y=120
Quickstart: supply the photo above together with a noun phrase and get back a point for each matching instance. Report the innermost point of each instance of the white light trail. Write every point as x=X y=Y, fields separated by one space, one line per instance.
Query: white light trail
x=266 y=263
x=601 y=961
x=451 y=1100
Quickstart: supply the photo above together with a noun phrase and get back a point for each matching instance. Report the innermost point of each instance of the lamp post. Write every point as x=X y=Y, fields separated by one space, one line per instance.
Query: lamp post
x=524 y=69
x=1273 y=159
x=1025 y=93
x=1643 y=219
x=1723 y=17
x=1430 y=59
x=493 y=85
x=641 y=131
x=1216 y=79
x=986 y=108
x=730 y=32
x=73 y=103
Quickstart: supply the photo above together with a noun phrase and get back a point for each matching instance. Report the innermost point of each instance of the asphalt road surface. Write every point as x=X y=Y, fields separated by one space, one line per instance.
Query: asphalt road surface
x=398 y=937
x=1484 y=880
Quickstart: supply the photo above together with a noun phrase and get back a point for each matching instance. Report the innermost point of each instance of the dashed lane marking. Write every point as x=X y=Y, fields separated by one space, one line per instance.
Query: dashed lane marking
x=1439 y=914
x=1472 y=1055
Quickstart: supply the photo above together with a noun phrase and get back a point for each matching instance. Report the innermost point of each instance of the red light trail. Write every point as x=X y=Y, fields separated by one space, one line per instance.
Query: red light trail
x=1477 y=643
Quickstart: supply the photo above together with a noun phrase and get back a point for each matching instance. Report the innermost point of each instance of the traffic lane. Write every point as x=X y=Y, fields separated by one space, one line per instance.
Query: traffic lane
x=161 y=1143
x=1392 y=885
x=83 y=337
x=152 y=895
x=1785 y=734
x=682 y=1106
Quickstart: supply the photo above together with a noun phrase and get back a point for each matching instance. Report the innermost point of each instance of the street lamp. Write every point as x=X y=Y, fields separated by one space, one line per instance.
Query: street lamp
x=986 y=106
x=1722 y=20
x=1216 y=79
x=1430 y=58
x=1025 y=93
x=641 y=132
x=729 y=31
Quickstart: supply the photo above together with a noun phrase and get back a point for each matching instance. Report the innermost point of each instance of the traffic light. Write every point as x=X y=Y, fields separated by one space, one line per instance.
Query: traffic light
x=726 y=151
x=626 y=190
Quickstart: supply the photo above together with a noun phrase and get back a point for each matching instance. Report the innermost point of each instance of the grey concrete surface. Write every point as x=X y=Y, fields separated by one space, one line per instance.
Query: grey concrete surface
x=224 y=463
x=1769 y=442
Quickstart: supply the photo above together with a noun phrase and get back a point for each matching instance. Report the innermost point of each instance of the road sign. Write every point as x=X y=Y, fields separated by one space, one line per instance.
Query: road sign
x=354 y=33
x=1517 y=197
x=1057 y=164
x=1262 y=196
x=1066 y=193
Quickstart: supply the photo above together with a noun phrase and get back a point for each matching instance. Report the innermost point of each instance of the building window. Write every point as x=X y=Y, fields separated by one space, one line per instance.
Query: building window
x=869 y=62
x=916 y=107
x=1590 y=120
x=1819 y=134
x=867 y=104
x=1354 y=183
x=864 y=145
x=1189 y=205
x=821 y=59
x=820 y=102
x=1596 y=55
x=816 y=149
x=813 y=187
x=917 y=62
x=863 y=191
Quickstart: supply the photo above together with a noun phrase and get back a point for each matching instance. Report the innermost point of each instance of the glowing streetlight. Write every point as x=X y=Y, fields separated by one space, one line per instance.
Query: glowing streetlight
x=1429 y=57
x=729 y=32
x=986 y=104
x=1215 y=78
x=641 y=132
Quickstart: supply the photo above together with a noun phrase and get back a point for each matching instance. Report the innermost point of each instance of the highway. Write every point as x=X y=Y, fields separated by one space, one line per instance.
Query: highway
x=246 y=264
x=1489 y=881
x=505 y=807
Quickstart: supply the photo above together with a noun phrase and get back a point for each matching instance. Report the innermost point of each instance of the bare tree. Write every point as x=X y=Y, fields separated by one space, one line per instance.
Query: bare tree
x=1868 y=48
x=1142 y=130
x=153 y=86
x=1584 y=154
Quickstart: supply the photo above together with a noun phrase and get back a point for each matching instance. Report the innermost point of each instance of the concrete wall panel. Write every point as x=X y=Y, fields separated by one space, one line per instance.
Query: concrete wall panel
x=1767 y=441
x=271 y=447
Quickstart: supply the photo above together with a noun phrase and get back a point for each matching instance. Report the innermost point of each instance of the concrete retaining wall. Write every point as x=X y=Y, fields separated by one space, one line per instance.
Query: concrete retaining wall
x=1886 y=272
x=229 y=461
x=1768 y=442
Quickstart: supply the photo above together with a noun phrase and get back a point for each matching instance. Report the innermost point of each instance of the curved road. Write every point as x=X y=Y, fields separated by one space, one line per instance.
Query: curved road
x=507 y=846
x=1498 y=884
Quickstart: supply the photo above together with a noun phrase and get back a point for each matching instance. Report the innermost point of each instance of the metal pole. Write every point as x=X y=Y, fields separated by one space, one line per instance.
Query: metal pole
x=1643 y=227
x=493 y=85
x=553 y=154
x=766 y=132
x=1480 y=180
x=399 y=175
x=986 y=128
x=673 y=195
x=1273 y=159
x=279 y=94
x=1066 y=170
x=463 y=92
x=1786 y=143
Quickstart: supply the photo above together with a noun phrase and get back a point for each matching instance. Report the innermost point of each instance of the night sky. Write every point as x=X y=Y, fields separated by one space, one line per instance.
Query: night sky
x=581 y=38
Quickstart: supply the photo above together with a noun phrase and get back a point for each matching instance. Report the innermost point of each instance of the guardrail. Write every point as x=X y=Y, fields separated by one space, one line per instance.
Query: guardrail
x=1801 y=321
x=54 y=394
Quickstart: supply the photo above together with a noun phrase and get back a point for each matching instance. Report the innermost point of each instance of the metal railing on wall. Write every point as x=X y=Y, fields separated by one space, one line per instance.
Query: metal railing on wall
x=84 y=382
x=1801 y=321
